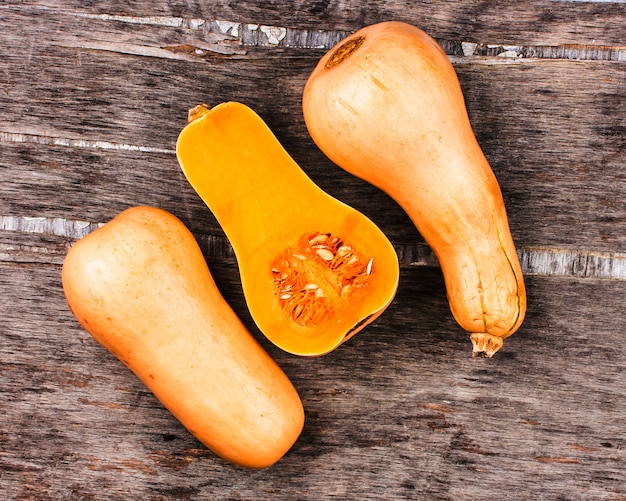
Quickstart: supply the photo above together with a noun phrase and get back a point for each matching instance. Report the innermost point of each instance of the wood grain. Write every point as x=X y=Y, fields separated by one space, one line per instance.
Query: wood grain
x=92 y=98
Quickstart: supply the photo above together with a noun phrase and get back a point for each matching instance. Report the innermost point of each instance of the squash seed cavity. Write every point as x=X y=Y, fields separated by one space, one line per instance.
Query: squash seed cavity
x=311 y=278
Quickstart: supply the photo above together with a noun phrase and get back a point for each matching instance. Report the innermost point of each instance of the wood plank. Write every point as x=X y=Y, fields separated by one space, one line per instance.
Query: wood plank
x=92 y=184
x=401 y=410
x=62 y=184
x=543 y=22
x=530 y=101
x=553 y=132
x=198 y=39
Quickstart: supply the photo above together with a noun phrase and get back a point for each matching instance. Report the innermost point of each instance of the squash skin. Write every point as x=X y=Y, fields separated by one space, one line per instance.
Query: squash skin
x=265 y=203
x=141 y=287
x=390 y=110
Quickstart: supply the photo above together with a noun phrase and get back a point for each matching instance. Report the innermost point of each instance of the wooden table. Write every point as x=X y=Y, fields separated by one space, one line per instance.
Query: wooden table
x=92 y=99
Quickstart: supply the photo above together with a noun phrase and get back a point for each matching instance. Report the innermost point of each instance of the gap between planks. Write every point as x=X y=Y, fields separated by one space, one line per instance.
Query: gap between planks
x=534 y=260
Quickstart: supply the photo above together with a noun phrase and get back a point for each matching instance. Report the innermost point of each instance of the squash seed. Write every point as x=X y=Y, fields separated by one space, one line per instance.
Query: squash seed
x=325 y=254
x=310 y=277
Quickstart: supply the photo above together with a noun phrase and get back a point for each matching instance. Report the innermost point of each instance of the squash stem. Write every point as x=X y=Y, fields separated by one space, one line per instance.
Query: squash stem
x=197 y=112
x=485 y=344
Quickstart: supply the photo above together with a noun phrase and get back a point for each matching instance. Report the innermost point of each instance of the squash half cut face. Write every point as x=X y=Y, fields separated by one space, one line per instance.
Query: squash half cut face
x=314 y=271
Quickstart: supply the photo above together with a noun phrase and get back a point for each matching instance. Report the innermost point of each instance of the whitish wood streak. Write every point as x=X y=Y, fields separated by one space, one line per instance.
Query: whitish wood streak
x=13 y=137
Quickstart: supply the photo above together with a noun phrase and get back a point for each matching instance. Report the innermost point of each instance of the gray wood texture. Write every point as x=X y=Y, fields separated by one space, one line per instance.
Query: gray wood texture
x=92 y=98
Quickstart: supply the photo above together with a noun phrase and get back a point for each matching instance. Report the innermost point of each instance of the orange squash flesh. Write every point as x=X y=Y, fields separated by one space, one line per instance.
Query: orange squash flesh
x=314 y=271
x=140 y=286
x=386 y=106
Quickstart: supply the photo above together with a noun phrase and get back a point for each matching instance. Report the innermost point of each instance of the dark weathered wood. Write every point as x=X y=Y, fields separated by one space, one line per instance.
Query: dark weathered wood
x=560 y=160
x=92 y=98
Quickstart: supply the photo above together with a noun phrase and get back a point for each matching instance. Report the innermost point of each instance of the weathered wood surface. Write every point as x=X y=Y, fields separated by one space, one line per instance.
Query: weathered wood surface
x=92 y=98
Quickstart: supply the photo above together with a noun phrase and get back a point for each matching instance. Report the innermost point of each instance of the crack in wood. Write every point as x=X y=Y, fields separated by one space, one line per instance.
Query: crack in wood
x=57 y=226
x=18 y=137
x=534 y=260
x=575 y=52
x=232 y=35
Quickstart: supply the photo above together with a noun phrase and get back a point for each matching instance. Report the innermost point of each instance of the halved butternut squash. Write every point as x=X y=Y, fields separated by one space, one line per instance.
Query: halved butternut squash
x=314 y=271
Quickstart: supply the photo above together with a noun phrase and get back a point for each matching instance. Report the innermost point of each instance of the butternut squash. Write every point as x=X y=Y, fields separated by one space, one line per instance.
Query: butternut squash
x=140 y=286
x=385 y=105
x=314 y=271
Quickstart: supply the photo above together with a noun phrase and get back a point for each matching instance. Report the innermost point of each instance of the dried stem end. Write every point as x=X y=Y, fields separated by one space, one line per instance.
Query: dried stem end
x=485 y=345
x=312 y=277
x=197 y=112
x=344 y=50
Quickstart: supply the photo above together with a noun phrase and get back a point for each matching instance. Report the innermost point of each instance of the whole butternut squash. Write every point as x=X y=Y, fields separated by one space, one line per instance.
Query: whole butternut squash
x=385 y=104
x=140 y=286
x=314 y=271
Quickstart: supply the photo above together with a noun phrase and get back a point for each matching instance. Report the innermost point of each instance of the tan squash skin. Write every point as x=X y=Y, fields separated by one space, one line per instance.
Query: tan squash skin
x=141 y=287
x=386 y=106
x=265 y=204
